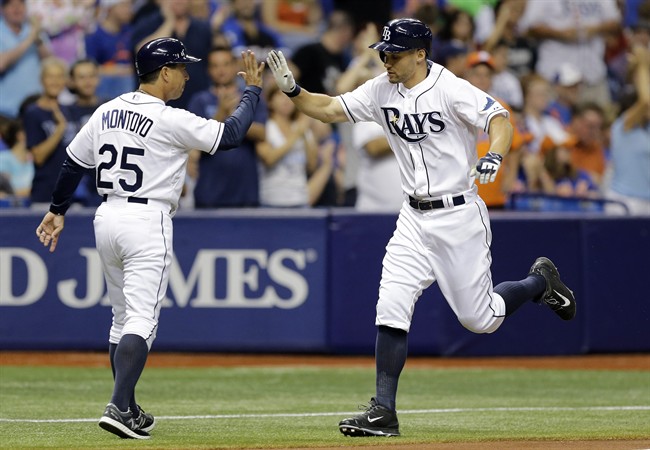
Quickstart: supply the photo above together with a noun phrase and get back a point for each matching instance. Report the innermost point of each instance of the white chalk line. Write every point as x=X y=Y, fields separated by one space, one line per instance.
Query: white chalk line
x=325 y=414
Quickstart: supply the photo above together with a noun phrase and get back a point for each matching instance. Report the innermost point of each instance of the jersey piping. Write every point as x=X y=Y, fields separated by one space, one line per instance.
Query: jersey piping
x=162 y=273
x=79 y=161
x=426 y=168
x=214 y=147
x=347 y=109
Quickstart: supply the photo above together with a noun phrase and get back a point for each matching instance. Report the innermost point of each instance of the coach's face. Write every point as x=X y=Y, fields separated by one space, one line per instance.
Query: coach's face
x=176 y=76
x=403 y=67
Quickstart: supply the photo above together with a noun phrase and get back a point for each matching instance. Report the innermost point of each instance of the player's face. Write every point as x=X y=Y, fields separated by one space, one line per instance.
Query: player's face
x=401 y=66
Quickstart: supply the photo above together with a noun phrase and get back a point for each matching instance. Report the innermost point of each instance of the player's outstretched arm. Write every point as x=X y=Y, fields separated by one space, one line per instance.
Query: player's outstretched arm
x=319 y=106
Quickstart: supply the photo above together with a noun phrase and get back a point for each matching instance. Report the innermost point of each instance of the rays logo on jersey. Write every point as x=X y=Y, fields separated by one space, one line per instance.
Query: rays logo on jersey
x=413 y=127
x=489 y=102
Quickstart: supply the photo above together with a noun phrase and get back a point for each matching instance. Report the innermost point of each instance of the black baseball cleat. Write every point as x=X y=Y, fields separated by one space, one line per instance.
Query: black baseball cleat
x=121 y=423
x=376 y=420
x=145 y=422
x=557 y=296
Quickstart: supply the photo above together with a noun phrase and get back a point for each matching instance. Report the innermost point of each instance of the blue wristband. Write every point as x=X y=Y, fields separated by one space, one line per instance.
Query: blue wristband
x=295 y=91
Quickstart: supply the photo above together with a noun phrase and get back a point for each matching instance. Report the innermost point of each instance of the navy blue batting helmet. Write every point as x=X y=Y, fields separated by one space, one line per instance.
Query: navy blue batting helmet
x=400 y=35
x=160 y=52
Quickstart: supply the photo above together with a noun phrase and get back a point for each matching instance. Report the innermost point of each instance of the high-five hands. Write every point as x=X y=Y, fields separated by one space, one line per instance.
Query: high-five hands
x=280 y=70
x=487 y=167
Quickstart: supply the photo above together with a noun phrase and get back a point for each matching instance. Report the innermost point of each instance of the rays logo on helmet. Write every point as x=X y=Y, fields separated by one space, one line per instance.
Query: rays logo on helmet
x=385 y=35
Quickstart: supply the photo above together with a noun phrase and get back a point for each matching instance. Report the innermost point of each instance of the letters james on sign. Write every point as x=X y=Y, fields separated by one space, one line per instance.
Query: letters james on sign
x=242 y=290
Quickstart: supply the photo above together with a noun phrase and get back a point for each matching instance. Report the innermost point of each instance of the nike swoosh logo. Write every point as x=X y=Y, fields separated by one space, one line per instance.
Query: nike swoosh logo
x=567 y=302
x=371 y=420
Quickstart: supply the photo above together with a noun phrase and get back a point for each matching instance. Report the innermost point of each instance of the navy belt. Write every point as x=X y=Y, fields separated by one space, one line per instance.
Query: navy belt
x=140 y=200
x=426 y=205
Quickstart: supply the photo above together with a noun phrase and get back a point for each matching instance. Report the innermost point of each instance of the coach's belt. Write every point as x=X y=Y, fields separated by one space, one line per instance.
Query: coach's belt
x=426 y=205
x=140 y=200
x=150 y=202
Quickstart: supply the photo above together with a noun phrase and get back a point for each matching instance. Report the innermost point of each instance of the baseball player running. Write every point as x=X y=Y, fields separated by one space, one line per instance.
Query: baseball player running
x=139 y=148
x=443 y=232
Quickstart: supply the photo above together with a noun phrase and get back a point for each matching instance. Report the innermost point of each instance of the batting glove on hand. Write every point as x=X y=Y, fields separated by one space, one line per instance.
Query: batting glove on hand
x=281 y=73
x=487 y=167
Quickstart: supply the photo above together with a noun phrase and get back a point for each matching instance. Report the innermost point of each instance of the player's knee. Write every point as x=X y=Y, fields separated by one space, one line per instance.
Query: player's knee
x=478 y=325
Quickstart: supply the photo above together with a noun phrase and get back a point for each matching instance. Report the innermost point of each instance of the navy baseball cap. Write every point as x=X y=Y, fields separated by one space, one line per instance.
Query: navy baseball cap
x=161 y=52
x=400 y=35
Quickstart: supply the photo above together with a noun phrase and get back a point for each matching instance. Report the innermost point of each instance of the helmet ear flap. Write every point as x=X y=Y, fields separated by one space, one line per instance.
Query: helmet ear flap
x=382 y=56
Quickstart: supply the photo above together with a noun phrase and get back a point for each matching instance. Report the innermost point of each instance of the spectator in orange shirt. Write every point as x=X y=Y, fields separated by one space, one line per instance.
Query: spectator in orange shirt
x=479 y=72
x=587 y=141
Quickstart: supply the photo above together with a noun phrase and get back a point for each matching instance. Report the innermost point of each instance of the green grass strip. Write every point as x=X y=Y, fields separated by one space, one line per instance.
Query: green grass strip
x=279 y=407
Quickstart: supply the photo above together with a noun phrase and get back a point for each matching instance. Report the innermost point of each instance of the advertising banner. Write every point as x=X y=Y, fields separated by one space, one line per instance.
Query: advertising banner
x=236 y=283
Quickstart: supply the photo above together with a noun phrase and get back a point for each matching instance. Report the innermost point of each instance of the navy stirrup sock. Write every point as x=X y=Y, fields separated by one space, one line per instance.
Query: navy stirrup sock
x=129 y=359
x=132 y=404
x=390 y=356
x=516 y=293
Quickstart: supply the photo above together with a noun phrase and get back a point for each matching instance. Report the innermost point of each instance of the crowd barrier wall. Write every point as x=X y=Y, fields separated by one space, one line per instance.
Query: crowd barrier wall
x=307 y=281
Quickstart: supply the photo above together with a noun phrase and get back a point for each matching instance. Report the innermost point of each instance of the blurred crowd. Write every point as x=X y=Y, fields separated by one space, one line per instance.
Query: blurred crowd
x=575 y=75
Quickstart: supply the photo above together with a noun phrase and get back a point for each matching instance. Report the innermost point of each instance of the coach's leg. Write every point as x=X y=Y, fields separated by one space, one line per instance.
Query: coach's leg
x=129 y=360
x=133 y=405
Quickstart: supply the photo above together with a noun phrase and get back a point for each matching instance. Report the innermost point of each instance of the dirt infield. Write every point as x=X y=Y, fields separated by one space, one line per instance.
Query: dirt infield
x=590 y=362
x=100 y=359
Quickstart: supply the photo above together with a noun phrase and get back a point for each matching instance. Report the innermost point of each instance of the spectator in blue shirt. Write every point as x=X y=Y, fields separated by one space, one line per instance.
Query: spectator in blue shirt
x=227 y=178
x=48 y=130
x=21 y=48
x=16 y=164
x=84 y=79
x=630 y=147
x=110 y=46
x=245 y=30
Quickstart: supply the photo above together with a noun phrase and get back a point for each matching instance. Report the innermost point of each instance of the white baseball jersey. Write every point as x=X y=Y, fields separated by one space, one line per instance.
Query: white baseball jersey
x=431 y=127
x=140 y=146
